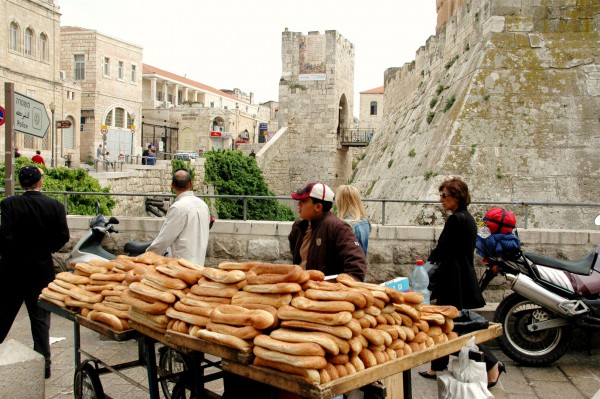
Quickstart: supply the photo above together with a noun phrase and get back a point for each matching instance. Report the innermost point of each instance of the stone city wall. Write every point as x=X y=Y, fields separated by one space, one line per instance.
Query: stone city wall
x=393 y=250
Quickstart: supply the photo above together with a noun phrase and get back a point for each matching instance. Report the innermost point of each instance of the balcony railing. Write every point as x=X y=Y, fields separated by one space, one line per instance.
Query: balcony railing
x=354 y=137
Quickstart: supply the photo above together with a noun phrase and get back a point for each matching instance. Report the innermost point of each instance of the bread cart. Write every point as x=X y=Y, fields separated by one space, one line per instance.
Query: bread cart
x=175 y=361
x=395 y=374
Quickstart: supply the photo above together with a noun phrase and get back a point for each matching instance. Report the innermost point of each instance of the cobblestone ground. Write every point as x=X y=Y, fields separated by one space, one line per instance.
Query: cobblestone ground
x=575 y=376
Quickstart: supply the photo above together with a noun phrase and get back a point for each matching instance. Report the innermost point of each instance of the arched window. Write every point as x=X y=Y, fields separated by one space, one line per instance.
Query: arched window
x=119 y=117
x=373 y=107
x=14 y=36
x=28 y=42
x=43 y=47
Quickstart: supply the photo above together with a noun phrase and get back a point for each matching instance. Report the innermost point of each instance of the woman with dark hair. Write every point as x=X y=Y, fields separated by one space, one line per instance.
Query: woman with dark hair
x=458 y=285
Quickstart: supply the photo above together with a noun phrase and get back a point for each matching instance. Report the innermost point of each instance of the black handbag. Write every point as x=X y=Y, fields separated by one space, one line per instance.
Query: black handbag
x=433 y=272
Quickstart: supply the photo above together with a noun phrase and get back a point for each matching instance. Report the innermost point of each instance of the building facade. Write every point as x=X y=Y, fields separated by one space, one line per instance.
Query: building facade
x=109 y=71
x=371 y=108
x=30 y=59
x=182 y=115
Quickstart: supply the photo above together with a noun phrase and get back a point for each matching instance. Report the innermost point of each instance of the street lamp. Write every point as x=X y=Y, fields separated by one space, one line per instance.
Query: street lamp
x=52 y=109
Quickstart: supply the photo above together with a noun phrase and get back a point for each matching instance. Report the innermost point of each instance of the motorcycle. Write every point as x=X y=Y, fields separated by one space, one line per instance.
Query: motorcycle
x=550 y=298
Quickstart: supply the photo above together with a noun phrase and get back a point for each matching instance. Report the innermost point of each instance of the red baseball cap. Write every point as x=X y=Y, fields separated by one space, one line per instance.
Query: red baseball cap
x=315 y=190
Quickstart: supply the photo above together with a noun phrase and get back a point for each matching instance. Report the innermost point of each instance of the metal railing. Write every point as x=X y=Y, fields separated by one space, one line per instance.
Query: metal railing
x=383 y=203
x=354 y=137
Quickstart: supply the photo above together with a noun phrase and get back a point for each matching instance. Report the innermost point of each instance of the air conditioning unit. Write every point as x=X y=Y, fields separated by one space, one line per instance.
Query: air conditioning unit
x=62 y=75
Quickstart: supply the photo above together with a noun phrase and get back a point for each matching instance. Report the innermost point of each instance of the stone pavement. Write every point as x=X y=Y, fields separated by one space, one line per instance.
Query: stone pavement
x=574 y=376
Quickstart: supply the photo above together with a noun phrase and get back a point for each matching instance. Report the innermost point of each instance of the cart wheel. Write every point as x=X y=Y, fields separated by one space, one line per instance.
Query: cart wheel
x=171 y=362
x=86 y=384
x=180 y=391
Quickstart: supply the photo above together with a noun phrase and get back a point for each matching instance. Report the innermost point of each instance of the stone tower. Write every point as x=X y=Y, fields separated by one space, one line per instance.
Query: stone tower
x=315 y=104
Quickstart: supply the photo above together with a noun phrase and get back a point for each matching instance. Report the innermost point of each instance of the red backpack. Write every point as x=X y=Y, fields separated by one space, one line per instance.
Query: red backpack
x=500 y=221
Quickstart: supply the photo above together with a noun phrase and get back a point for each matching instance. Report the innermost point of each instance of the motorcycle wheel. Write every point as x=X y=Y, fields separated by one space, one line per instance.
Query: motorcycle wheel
x=529 y=348
x=86 y=383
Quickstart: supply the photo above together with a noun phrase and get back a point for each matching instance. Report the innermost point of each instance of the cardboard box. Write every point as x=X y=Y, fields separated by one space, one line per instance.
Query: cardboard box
x=399 y=283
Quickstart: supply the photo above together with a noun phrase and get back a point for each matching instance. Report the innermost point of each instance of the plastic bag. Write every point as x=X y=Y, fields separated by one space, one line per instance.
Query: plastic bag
x=465 y=378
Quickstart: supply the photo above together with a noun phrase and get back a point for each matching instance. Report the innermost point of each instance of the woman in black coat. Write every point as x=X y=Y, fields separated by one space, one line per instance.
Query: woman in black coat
x=457 y=282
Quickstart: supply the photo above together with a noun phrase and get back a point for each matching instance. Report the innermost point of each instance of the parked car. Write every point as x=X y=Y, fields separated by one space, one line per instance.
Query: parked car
x=185 y=156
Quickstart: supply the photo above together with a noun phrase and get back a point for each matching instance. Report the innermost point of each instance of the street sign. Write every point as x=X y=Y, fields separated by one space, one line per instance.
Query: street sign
x=2 y=113
x=104 y=130
x=30 y=116
x=63 y=124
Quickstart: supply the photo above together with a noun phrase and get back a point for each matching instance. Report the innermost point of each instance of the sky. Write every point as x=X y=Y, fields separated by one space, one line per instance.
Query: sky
x=237 y=43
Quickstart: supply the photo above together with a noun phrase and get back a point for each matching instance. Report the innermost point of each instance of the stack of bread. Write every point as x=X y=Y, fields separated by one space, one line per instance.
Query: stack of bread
x=290 y=318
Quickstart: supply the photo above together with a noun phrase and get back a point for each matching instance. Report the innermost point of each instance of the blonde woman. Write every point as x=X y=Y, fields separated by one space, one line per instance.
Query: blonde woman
x=350 y=209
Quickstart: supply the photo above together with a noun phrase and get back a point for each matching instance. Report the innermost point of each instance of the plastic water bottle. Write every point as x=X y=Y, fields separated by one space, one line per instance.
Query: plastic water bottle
x=420 y=280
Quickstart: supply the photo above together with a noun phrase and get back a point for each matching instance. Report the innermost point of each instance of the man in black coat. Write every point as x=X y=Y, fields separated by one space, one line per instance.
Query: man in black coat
x=32 y=227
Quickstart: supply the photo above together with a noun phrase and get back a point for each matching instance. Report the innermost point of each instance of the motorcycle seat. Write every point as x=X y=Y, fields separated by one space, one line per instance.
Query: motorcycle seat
x=581 y=266
x=134 y=248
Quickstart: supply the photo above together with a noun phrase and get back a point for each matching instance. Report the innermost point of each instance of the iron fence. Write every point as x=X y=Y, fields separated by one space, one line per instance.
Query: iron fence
x=382 y=203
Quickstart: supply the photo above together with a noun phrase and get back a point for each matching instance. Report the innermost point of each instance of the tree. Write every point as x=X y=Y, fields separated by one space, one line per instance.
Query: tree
x=233 y=173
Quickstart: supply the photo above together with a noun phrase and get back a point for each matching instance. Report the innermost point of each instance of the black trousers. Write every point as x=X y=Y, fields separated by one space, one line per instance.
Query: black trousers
x=39 y=319
x=441 y=363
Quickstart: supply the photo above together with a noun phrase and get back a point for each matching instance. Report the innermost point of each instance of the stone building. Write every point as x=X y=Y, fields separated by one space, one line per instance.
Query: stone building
x=315 y=110
x=505 y=95
x=182 y=115
x=371 y=108
x=30 y=59
x=109 y=72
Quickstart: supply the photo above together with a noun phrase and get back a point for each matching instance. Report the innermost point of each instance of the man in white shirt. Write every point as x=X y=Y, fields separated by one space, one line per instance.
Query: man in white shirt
x=185 y=230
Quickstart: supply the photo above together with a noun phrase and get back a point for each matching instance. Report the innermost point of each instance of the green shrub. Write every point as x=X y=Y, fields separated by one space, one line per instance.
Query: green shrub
x=429 y=175
x=412 y=153
x=65 y=179
x=233 y=173
x=433 y=102
x=449 y=103
x=473 y=147
x=439 y=89
x=451 y=62
x=390 y=162
x=430 y=117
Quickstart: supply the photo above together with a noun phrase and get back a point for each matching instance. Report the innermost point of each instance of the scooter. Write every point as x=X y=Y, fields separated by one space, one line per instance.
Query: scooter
x=90 y=245
x=551 y=297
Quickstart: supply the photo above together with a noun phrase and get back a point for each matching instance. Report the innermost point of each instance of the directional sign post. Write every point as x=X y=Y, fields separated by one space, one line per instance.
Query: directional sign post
x=30 y=116
x=63 y=124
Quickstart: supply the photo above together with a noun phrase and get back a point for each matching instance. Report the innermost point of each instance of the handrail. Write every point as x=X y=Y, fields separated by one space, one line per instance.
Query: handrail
x=384 y=202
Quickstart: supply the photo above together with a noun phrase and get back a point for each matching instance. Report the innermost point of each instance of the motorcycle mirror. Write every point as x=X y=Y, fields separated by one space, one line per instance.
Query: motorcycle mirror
x=597 y=220
x=97 y=207
x=113 y=220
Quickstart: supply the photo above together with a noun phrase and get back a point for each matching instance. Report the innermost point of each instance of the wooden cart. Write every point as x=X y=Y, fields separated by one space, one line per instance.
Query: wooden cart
x=395 y=374
x=86 y=382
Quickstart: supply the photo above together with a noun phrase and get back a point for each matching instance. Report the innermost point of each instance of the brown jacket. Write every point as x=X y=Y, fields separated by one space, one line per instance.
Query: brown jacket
x=334 y=248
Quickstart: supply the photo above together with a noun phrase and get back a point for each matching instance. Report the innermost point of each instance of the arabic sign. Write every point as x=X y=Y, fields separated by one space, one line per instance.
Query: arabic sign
x=2 y=113
x=30 y=116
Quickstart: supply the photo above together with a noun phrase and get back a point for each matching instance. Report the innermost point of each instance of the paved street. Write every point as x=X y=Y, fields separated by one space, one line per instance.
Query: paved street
x=575 y=376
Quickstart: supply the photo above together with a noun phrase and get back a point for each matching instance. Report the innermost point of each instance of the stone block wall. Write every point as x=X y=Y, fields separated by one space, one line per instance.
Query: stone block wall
x=310 y=109
x=142 y=179
x=505 y=96
x=393 y=250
